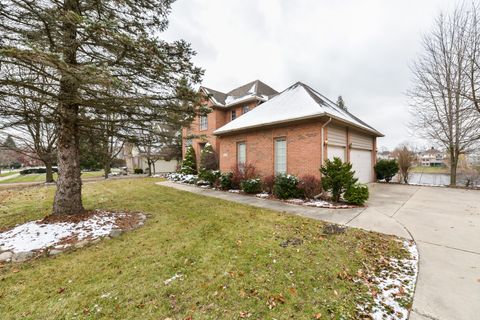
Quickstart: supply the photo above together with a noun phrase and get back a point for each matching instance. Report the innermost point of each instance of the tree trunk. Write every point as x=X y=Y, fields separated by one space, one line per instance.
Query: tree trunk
x=68 y=197
x=49 y=174
x=154 y=170
x=453 y=169
x=149 y=167
x=107 y=167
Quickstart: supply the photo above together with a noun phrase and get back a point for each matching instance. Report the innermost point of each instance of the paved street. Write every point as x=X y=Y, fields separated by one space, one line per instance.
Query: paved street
x=444 y=222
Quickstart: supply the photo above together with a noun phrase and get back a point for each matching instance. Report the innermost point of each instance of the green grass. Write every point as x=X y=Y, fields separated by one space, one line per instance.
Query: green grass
x=422 y=169
x=40 y=177
x=5 y=174
x=229 y=254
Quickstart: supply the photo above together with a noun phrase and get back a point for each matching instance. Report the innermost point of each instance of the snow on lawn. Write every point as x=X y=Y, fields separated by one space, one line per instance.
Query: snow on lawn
x=394 y=286
x=35 y=235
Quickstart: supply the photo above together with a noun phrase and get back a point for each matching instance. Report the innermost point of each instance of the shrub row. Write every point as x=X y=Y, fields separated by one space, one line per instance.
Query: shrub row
x=337 y=179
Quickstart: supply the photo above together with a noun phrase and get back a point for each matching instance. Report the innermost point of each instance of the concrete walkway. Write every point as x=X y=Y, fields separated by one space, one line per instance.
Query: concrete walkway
x=445 y=224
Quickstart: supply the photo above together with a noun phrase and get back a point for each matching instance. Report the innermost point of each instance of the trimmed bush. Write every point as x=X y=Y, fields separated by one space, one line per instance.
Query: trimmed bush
x=244 y=172
x=337 y=176
x=386 y=169
x=226 y=181
x=210 y=176
x=310 y=186
x=356 y=194
x=251 y=186
x=138 y=171
x=267 y=183
x=189 y=164
x=286 y=187
x=208 y=158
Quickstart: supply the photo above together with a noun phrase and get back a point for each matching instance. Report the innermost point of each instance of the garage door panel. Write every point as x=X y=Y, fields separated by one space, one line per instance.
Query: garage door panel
x=361 y=161
x=336 y=151
x=361 y=141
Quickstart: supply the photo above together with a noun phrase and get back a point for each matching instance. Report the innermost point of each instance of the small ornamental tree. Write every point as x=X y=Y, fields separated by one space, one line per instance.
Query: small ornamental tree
x=189 y=164
x=386 y=169
x=208 y=158
x=337 y=176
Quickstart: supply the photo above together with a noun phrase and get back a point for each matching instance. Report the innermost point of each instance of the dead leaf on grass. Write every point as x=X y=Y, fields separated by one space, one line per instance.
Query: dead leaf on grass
x=317 y=316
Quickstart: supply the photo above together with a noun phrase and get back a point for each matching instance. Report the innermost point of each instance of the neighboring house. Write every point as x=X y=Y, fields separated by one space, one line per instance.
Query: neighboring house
x=432 y=158
x=135 y=160
x=293 y=132
x=386 y=155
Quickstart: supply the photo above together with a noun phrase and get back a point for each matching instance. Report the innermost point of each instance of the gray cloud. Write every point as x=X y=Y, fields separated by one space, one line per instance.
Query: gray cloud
x=359 y=49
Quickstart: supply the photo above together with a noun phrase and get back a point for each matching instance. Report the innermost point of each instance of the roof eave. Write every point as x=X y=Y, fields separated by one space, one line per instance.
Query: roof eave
x=232 y=131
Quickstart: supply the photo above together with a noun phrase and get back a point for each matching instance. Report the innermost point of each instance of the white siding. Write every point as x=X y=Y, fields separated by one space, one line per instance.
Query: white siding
x=361 y=141
x=337 y=136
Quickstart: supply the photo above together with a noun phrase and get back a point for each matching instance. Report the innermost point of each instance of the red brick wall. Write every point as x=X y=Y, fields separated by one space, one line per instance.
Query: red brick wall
x=216 y=119
x=303 y=149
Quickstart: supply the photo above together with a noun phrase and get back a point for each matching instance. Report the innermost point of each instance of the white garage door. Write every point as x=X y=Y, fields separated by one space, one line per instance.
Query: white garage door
x=336 y=152
x=362 y=164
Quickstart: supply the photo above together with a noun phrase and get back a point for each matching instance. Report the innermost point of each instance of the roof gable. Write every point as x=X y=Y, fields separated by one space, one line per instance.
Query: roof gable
x=297 y=102
x=250 y=91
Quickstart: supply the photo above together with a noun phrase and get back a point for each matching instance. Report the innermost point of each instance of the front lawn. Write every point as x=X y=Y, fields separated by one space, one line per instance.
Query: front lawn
x=40 y=177
x=223 y=260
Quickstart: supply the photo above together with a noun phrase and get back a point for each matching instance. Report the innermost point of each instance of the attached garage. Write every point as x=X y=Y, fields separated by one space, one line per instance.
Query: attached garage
x=361 y=156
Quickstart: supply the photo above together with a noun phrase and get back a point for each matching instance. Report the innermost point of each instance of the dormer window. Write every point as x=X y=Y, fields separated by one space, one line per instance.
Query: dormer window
x=234 y=115
x=245 y=109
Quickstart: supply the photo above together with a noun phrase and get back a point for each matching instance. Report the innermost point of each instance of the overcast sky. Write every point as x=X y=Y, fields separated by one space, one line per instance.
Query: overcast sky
x=358 y=49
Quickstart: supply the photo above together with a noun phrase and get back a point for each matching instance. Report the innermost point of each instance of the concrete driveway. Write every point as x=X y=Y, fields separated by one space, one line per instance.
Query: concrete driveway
x=445 y=224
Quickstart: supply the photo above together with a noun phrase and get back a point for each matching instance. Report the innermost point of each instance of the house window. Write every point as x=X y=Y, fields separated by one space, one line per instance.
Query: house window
x=245 y=109
x=234 y=114
x=241 y=154
x=188 y=143
x=203 y=123
x=280 y=156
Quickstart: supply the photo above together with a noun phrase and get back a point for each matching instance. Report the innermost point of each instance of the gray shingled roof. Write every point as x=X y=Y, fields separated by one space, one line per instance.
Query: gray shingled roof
x=252 y=90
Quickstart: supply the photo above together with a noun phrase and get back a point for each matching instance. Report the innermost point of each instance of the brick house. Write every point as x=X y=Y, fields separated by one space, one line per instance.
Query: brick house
x=290 y=132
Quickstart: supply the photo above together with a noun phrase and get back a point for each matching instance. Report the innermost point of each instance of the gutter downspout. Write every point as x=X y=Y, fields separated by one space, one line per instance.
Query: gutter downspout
x=323 y=140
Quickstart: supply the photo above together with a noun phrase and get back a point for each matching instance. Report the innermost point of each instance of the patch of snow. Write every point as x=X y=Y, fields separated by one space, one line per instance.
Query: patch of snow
x=253 y=89
x=295 y=201
x=395 y=284
x=234 y=191
x=318 y=204
x=175 y=277
x=262 y=195
x=35 y=235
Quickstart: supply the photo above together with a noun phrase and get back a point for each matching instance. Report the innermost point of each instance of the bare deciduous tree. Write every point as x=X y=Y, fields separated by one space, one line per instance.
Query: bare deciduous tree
x=405 y=157
x=441 y=110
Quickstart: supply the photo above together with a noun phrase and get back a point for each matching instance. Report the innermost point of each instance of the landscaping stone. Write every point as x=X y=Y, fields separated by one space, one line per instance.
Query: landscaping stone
x=22 y=256
x=81 y=244
x=334 y=229
x=115 y=233
x=6 y=256
x=54 y=252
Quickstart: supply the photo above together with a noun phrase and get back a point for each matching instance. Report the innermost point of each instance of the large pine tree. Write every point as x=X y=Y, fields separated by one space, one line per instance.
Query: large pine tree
x=99 y=57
